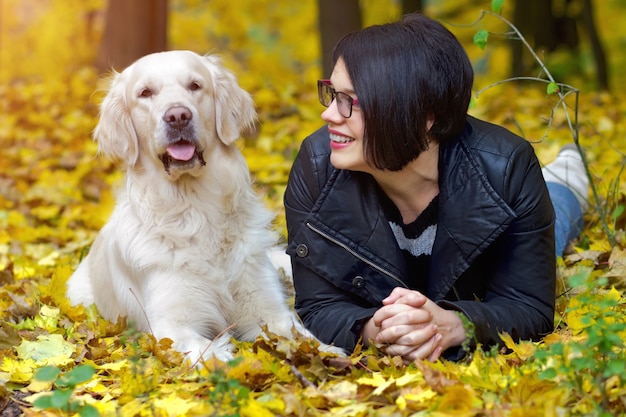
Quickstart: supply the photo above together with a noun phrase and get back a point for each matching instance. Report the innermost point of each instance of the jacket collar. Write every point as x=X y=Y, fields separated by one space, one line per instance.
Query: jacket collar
x=472 y=215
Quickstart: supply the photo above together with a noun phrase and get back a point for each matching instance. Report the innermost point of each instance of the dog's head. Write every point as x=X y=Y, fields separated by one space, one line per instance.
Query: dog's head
x=170 y=108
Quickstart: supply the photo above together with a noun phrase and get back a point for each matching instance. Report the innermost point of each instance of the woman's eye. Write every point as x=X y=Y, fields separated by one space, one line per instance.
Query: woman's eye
x=145 y=93
x=195 y=86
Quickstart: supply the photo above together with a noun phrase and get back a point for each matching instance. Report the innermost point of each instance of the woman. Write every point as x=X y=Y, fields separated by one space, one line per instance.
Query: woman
x=407 y=219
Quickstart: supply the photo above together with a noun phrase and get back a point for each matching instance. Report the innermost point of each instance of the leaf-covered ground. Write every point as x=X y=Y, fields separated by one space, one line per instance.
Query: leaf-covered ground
x=55 y=194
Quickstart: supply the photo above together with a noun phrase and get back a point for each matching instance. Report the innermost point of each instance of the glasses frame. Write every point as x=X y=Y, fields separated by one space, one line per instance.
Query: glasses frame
x=344 y=101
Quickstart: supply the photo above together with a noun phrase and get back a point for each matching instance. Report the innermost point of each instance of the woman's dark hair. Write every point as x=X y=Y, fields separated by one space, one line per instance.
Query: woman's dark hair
x=404 y=73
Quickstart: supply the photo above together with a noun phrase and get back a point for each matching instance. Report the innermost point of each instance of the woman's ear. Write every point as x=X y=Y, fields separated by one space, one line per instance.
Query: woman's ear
x=234 y=108
x=430 y=121
x=115 y=132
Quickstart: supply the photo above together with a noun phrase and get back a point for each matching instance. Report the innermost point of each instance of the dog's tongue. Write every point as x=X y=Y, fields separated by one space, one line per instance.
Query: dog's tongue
x=182 y=151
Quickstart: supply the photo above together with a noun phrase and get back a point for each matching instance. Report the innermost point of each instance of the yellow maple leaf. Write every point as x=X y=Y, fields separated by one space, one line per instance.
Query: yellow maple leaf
x=409 y=378
x=272 y=403
x=415 y=397
x=20 y=371
x=378 y=381
x=457 y=400
x=173 y=405
x=252 y=408
x=47 y=350
x=48 y=318
x=352 y=410
x=522 y=349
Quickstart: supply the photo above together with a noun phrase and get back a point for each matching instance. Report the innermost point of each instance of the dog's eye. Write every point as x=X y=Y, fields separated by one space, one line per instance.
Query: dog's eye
x=195 y=85
x=145 y=93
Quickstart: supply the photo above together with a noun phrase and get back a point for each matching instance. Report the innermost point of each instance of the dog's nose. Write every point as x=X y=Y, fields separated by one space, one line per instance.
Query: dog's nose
x=177 y=117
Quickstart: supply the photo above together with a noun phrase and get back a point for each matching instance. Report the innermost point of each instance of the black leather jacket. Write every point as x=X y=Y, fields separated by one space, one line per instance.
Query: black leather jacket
x=493 y=257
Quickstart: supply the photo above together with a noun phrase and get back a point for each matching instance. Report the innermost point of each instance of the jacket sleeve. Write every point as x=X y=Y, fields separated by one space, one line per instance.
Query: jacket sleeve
x=332 y=314
x=519 y=267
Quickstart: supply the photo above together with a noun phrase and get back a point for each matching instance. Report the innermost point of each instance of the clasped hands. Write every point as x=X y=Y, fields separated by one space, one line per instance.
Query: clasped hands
x=412 y=326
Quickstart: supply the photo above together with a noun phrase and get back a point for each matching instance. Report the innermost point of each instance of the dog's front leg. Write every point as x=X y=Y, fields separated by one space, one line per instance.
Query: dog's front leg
x=264 y=304
x=193 y=345
x=195 y=326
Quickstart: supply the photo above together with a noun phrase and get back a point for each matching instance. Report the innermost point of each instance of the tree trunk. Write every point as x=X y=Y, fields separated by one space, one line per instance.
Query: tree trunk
x=602 y=75
x=335 y=19
x=548 y=27
x=544 y=30
x=133 y=28
x=411 y=6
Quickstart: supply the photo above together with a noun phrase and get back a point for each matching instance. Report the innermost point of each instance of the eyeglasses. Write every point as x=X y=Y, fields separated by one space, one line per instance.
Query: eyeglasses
x=327 y=94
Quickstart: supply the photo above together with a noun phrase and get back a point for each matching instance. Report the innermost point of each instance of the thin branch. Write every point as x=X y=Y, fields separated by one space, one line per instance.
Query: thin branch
x=303 y=379
x=573 y=125
x=220 y=334
x=143 y=310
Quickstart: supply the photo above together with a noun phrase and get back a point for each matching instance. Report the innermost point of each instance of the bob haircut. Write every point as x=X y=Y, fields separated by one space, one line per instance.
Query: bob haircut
x=404 y=74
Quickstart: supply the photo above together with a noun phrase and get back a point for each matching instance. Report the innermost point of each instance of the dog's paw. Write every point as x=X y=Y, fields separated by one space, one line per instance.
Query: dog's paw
x=332 y=349
x=200 y=349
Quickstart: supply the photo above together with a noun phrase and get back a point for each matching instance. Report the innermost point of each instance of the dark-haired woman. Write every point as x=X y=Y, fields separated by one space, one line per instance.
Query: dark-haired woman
x=408 y=219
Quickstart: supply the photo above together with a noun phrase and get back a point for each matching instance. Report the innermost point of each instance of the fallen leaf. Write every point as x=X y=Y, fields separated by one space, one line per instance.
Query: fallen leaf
x=47 y=350
x=435 y=378
x=9 y=337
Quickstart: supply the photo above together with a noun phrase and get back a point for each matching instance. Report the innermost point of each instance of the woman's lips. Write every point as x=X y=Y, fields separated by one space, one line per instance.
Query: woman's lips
x=338 y=141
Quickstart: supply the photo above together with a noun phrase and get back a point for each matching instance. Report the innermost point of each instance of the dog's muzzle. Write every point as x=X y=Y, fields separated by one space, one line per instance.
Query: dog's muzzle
x=182 y=155
x=182 y=151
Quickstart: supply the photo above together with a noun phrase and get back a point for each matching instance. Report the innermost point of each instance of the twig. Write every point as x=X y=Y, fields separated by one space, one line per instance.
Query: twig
x=573 y=125
x=143 y=310
x=220 y=334
x=303 y=380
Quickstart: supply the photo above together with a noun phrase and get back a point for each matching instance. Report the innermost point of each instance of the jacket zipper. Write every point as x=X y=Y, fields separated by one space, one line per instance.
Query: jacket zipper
x=356 y=255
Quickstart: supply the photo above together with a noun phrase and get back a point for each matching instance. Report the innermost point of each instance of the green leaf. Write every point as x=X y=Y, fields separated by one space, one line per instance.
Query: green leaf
x=549 y=373
x=60 y=398
x=81 y=373
x=615 y=367
x=88 y=410
x=47 y=373
x=583 y=363
x=496 y=5
x=44 y=402
x=480 y=38
x=552 y=88
x=580 y=278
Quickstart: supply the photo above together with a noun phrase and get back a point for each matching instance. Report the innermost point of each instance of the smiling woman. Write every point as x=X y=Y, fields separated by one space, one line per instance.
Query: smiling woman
x=407 y=218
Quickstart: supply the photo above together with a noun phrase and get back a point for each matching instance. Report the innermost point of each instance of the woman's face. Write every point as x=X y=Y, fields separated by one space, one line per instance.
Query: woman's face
x=346 y=134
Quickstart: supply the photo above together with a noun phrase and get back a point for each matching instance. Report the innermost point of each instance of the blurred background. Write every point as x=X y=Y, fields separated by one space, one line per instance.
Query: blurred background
x=54 y=55
x=575 y=36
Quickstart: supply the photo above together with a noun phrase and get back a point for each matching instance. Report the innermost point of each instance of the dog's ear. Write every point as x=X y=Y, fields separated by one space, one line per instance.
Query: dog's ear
x=234 y=108
x=115 y=132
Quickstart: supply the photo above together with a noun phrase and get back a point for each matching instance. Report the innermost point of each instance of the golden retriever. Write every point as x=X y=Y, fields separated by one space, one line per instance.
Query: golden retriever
x=185 y=252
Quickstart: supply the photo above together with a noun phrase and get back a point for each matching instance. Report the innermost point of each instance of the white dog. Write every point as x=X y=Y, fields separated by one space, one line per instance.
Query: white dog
x=185 y=252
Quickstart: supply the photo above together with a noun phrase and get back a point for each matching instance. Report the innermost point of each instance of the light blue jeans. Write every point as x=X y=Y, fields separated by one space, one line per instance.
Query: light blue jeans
x=569 y=215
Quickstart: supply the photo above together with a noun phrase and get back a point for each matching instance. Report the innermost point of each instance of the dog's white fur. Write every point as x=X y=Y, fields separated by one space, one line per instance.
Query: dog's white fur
x=185 y=252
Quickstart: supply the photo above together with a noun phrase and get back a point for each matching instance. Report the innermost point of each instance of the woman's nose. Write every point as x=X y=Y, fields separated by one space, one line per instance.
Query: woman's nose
x=331 y=114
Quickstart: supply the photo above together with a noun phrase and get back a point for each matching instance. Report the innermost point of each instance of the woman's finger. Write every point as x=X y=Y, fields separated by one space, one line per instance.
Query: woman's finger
x=407 y=335
x=402 y=315
x=400 y=292
x=412 y=353
x=386 y=312
x=436 y=354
